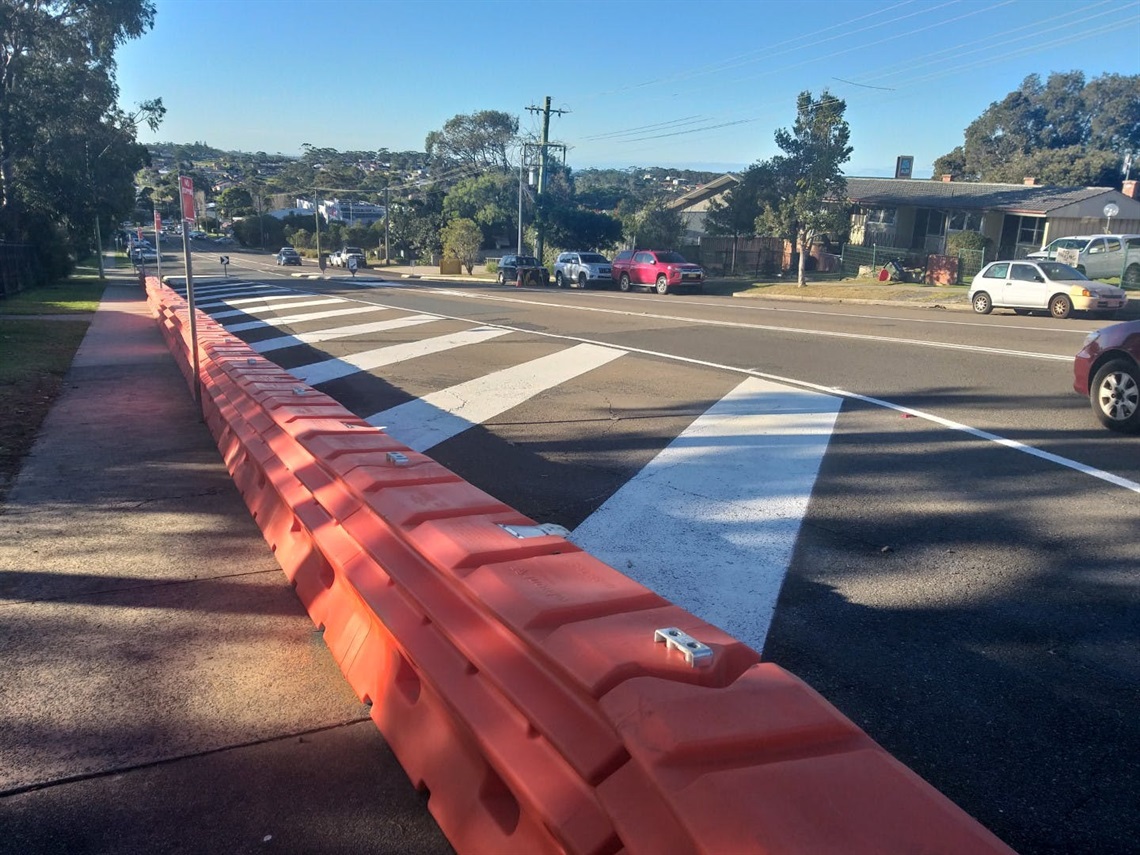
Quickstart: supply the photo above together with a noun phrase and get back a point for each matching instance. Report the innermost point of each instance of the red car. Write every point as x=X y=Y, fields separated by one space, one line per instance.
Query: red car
x=664 y=271
x=1107 y=369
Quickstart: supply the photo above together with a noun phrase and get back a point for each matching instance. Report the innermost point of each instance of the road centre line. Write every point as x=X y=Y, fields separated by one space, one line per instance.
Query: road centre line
x=425 y=422
x=777 y=329
x=331 y=333
x=332 y=369
x=1013 y=445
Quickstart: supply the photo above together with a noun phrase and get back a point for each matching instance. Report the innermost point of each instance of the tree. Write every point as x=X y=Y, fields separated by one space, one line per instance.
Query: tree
x=490 y=200
x=236 y=202
x=1064 y=131
x=654 y=226
x=736 y=216
x=571 y=227
x=66 y=166
x=462 y=239
x=476 y=141
x=810 y=191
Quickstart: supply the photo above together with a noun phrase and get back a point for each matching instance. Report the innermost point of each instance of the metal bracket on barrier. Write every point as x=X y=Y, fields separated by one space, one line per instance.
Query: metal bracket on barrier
x=524 y=531
x=397 y=458
x=251 y=360
x=696 y=653
x=298 y=390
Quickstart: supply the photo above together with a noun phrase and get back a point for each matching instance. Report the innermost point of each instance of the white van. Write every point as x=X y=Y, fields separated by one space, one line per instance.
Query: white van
x=1098 y=256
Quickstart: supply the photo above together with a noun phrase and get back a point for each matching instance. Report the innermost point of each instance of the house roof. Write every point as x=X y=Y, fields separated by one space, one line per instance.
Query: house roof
x=705 y=191
x=967 y=195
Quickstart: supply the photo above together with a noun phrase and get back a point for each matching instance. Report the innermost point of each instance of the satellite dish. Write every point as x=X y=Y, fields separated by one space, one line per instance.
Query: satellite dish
x=1111 y=209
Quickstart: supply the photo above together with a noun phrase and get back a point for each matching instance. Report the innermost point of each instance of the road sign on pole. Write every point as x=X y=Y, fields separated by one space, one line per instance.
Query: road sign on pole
x=186 y=192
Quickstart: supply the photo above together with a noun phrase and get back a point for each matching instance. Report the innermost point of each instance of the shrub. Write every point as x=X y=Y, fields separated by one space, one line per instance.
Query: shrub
x=957 y=241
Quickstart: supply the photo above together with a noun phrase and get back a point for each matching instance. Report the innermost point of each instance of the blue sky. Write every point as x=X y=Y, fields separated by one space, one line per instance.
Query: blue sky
x=672 y=83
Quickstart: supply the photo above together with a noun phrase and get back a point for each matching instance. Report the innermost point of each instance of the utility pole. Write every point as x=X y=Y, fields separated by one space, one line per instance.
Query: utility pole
x=387 y=215
x=543 y=145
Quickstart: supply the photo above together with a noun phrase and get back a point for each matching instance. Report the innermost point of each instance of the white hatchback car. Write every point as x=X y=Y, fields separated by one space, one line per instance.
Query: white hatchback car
x=1025 y=286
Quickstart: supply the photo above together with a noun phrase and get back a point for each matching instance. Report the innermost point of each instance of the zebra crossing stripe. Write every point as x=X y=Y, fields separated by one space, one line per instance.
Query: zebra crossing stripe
x=432 y=419
x=269 y=344
x=712 y=521
x=331 y=369
x=209 y=292
x=311 y=316
x=323 y=301
x=263 y=298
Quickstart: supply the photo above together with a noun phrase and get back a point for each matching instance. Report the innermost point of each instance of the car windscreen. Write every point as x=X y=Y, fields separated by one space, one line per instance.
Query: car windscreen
x=354 y=250
x=1056 y=270
x=593 y=258
x=671 y=257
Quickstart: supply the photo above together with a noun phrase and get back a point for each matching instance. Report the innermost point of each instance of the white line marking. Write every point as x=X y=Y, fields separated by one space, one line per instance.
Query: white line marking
x=312 y=316
x=944 y=345
x=331 y=369
x=262 y=298
x=269 y=344
x=711 y=522
x=1099 y=474
x=426 y=422
x=323 y=301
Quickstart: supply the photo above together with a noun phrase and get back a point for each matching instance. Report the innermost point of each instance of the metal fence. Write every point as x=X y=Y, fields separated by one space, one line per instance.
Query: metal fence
x=20 y=268
x=869 y=260
x=750 y=256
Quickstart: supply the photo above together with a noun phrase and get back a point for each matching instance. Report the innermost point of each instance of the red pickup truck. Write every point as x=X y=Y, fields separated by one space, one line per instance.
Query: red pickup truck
x=661 y=270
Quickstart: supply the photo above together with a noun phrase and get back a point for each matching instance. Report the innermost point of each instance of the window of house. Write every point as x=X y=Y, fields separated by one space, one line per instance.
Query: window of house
x=1031 y=230
x=965 y=221
x=881 y=216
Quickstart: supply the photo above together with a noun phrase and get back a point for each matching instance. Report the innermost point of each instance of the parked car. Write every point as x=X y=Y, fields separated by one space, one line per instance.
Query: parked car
x=141 y=253
x=1098 y=256
x=661 y=270
x=197 y=235
x=1042 y=285
x=1107 y=370
x=287 y=255
x=582 y=269
x=510 y=265
x=341 y=256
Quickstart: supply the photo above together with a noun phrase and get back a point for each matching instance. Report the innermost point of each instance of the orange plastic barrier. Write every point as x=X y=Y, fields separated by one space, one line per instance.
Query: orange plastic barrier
x=547 y=702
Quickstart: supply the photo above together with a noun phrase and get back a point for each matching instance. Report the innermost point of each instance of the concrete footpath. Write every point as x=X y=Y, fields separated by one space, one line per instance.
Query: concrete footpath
x=161 y=687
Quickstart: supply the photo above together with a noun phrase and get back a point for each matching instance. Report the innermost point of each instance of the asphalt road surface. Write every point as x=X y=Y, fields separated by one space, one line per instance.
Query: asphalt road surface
x=908 y=508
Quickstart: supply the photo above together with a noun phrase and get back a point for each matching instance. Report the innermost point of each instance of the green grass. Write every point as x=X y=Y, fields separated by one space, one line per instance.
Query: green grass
x=34 y=357
x=80 y=293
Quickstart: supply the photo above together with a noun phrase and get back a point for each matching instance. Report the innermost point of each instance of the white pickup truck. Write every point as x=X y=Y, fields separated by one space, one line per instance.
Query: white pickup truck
x=341 y=256
x=581 y=270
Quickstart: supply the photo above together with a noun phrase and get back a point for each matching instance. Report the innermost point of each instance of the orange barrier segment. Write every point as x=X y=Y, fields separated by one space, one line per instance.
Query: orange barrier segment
x=522 y=681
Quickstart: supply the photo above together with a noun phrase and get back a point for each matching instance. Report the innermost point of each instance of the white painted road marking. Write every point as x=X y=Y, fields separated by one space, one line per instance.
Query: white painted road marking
x=712 y=521
x=323 y=301
x=331 y=369
x=310 y=316
x=270 y=344
x=266 y=297
x=426 y=422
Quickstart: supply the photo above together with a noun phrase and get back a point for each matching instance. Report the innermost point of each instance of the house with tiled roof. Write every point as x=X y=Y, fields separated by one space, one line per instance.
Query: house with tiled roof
x=920 y=214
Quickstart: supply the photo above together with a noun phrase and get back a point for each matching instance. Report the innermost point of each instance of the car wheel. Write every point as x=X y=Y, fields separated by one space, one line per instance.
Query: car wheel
x=983 y=305
x=662 y=284
x=582 y=281
x=1131 y=277
x=558 y=280
x=1060 y=307
x=1080 y=268
x=502 y=278
x=1115 y=396
x=623 y=283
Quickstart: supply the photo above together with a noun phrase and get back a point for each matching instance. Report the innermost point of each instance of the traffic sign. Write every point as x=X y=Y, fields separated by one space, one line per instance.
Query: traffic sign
x=186 y=191
x=157 y=225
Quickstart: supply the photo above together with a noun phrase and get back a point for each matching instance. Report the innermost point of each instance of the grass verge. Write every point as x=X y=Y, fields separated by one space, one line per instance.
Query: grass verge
x=35 y=353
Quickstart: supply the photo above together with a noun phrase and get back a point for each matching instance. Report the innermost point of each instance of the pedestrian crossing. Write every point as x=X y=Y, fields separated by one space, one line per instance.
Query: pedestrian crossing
x=710 y=521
